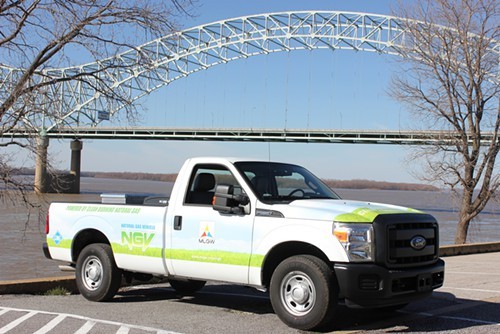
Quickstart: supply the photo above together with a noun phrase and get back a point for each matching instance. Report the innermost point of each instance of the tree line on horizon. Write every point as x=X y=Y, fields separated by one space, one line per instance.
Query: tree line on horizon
x=332 y=183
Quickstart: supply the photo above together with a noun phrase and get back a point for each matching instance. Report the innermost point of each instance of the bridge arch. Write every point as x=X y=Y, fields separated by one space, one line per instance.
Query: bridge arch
x=178 y=55
x=145 y=68
x=139 y=71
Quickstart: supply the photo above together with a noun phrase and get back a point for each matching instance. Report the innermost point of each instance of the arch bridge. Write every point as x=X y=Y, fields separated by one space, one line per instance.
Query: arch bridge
x=85 y=95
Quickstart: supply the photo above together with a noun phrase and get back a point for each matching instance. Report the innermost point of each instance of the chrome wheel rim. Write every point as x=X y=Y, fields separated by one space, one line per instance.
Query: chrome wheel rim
x=297 y=293
x=92 y=273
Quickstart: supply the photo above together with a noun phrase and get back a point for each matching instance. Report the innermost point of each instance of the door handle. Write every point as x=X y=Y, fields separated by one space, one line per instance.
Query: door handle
x=178 y=223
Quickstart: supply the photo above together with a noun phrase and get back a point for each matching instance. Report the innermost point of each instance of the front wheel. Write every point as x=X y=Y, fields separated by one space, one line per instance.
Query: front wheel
x=303 y=292
x=97 y=276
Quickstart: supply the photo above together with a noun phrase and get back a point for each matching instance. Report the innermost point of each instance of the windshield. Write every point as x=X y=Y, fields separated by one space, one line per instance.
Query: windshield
x=282 y=183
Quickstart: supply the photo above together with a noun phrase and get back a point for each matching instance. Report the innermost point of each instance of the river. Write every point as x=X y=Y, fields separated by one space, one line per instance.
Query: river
x=23 y=234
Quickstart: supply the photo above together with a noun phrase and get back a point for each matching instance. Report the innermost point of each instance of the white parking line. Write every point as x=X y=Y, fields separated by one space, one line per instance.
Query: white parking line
x=467 y=289
x=86 y=327
x=53 y=323
x=89 y=322
x=471 y=273
x=123 y=330
x=18 y=321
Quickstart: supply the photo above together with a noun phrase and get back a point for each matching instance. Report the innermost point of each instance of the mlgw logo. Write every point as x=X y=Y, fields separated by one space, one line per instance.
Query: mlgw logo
x=137 y=239
x=206 y=233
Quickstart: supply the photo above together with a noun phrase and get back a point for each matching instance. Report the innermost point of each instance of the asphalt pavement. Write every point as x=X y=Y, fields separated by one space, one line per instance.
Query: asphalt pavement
x=469 y=302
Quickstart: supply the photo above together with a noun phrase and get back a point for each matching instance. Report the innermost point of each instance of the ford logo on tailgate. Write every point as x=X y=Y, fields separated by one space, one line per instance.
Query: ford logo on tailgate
x=418 y=242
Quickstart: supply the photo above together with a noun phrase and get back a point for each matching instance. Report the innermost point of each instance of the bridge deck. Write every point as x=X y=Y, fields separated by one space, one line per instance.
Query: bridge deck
x=257 y=135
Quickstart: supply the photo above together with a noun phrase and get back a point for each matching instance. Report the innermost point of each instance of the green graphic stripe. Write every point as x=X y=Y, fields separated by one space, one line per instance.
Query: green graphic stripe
x=367 y=215
x=150 y=251
x=257 y=260
x=65 y=243
x=220 y=257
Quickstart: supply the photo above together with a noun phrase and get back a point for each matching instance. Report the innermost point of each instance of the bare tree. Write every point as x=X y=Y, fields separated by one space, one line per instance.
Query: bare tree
x=451 y=82
x=37 y=37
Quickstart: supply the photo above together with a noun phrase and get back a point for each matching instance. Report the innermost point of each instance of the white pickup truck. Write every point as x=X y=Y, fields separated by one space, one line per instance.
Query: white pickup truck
x=272 y=226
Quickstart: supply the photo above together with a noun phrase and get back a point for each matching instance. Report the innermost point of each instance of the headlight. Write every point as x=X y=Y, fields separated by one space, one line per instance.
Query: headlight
x=357 y=240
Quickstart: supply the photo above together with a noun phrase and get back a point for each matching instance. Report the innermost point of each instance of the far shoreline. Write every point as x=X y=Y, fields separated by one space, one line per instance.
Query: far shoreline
x=171 y=177
x=332 y=183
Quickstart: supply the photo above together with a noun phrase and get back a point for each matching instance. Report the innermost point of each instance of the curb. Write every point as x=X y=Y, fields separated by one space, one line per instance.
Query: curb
x=453 y=250
x=37 y=285
x=42 y=285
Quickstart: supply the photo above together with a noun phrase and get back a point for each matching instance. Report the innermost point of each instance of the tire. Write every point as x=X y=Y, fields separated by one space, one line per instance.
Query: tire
x=97 y=276
x=303 y=292
x=188 y=287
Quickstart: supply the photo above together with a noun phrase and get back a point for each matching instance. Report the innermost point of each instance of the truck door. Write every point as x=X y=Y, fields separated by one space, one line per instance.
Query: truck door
x=205 y=243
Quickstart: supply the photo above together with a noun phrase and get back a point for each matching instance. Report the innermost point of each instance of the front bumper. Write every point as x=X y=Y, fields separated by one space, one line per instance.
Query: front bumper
x=370 y=285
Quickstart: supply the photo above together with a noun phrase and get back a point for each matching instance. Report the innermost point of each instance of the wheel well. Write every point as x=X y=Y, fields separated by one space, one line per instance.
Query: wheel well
x=85 y=238
x=285 y=250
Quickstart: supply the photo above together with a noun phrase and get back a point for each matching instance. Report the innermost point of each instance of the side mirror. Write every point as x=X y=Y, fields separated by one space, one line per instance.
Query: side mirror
x=225 y=201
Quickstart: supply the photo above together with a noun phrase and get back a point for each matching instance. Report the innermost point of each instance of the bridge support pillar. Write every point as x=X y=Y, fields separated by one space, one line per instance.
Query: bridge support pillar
x=76 y=160
x=41 y=177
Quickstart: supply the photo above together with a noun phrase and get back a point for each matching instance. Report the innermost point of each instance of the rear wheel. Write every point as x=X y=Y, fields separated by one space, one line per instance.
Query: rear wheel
x=303 y=292
x=188 y=287
x=97 y=276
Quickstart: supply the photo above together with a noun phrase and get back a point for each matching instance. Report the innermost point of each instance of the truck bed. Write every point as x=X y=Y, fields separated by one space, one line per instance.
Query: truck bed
x=148 y=200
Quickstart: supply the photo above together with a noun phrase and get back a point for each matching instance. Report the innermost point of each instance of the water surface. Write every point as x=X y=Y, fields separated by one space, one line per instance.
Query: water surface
x=23 y=234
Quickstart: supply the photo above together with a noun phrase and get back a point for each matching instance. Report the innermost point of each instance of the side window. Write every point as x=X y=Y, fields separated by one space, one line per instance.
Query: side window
x=203 y=182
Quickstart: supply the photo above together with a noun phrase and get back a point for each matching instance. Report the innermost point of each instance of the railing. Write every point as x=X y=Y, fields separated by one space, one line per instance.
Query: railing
x=402 y=137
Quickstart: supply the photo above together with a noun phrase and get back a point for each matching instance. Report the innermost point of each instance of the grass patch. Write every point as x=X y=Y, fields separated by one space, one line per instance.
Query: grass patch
x=57 y=291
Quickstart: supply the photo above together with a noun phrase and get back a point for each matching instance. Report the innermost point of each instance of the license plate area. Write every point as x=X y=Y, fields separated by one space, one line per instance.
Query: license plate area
x=424 y=282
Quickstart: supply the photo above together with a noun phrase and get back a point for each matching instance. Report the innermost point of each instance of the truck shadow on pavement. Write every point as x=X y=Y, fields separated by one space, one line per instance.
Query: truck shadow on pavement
x=232 y=297
x=442 y=312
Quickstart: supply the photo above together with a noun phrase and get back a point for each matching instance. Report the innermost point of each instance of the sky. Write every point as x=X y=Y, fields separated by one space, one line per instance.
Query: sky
x=316 y=89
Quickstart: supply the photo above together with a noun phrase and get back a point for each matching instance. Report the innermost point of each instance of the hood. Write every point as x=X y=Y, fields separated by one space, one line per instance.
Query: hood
x=338 y=210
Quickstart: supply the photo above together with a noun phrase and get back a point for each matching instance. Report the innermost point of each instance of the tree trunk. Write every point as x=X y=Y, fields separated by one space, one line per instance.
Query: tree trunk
x=466 y=216
x=462 y=229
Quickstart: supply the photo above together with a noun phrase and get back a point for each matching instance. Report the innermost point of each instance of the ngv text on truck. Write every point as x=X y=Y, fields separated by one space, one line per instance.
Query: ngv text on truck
x=272 y=226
